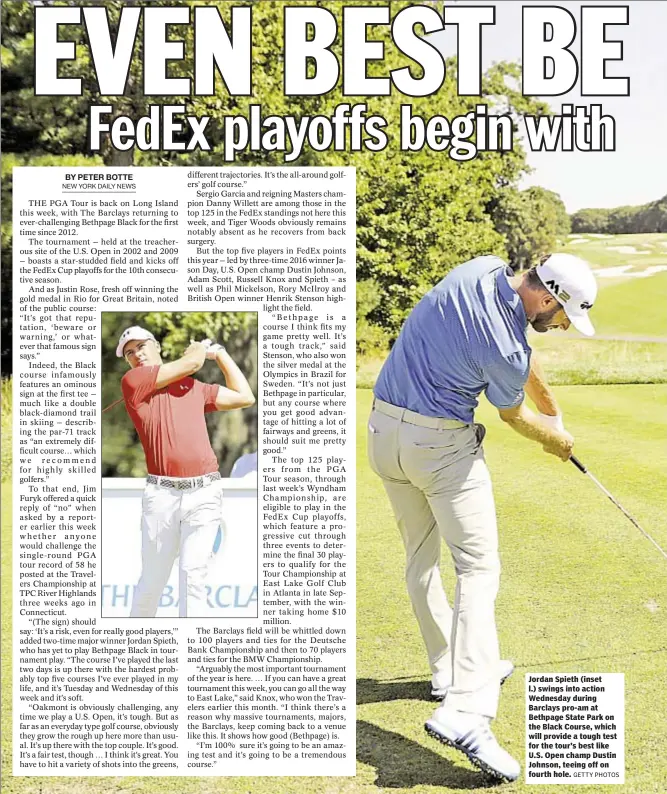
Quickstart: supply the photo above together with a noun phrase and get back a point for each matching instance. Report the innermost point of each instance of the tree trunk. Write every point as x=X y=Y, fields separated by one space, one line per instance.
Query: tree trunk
x=113 y=157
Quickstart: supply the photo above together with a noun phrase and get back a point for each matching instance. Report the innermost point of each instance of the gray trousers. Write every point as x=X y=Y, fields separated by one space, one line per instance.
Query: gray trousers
x=435 y=475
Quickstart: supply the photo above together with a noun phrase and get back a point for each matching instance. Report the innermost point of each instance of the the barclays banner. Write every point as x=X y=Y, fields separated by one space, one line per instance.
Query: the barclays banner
x=232 y=581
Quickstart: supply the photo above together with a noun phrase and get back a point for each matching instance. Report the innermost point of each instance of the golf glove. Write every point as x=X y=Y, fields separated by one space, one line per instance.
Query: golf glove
x=553 y=422
x=213 y=350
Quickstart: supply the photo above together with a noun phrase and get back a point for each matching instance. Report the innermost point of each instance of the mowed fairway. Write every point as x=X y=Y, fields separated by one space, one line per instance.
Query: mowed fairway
x=633 y=306
x=631 y=271
x=581 y=591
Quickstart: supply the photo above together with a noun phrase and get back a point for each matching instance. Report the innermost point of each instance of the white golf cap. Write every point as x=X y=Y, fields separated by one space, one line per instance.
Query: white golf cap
x=134 y=332
x=570 y=280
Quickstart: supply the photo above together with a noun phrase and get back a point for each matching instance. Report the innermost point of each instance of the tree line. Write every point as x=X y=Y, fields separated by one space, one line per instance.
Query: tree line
x=643 y=219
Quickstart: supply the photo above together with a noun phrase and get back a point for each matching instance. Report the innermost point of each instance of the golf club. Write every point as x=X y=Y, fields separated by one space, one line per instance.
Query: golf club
x=584 y=470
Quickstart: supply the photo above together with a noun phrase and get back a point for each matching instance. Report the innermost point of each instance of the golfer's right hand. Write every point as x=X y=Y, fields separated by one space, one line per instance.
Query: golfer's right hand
x=197 y=351
x=560 y=445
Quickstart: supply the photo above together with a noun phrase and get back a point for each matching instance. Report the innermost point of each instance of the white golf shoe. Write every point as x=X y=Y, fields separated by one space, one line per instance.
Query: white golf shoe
x=441 y=681
x=471 y=734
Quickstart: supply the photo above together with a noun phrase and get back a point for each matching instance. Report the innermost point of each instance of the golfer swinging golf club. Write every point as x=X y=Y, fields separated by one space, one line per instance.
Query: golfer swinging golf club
x=181 y=508
x=467 y=336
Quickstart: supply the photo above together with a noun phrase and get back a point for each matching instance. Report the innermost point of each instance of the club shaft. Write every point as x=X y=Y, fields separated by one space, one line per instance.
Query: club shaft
x=626 y=514
x=113 y=405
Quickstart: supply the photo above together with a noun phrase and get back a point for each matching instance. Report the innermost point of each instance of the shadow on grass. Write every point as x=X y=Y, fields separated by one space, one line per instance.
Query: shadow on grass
x=402 y=763
x=371 y=691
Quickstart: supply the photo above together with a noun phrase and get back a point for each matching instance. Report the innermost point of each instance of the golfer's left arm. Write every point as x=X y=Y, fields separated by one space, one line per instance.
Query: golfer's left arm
x=521 y=419
x=237 y=392
x=539 y=390
x=507 y=386
x=543 y=396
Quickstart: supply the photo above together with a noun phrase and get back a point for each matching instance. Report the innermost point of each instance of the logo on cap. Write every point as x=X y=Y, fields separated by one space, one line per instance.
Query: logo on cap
x=564 y=296
x=570 y=280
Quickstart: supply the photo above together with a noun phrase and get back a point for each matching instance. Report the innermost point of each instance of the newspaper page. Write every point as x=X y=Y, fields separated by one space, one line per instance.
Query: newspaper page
x=315 y=318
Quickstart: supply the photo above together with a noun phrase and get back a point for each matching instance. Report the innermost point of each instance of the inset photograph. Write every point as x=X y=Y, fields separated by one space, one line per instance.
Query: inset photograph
x=179 y=464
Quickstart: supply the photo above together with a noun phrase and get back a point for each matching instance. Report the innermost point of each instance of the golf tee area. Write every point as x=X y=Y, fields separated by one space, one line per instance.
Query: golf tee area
x=582 y=591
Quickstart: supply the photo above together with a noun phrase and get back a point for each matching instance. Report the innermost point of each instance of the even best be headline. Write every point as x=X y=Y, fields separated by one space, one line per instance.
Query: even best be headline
x=320 y=52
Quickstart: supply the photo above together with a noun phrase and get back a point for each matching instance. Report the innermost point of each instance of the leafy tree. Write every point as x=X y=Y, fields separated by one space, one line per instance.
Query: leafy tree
x=59 y=124
x=623 y=220
x=421 y=213
x=590 y=221
x=653 y=217
x=370 y=338
x=641 y=219
x=532 y=222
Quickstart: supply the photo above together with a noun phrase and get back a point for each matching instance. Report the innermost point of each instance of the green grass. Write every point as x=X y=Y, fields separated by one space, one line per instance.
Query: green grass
x=568 y=358
x=578 y=591
x=368 y=368
x=632 y=306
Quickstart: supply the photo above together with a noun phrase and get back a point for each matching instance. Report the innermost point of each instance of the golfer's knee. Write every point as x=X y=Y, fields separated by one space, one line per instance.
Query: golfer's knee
x=485 y=566
x=418 y=573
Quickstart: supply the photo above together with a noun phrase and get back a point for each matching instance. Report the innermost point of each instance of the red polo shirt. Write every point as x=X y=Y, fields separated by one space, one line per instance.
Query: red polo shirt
x=170 y=422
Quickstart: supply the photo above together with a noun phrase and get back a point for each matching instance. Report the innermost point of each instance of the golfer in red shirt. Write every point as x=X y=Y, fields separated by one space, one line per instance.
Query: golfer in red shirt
x=181 y=507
